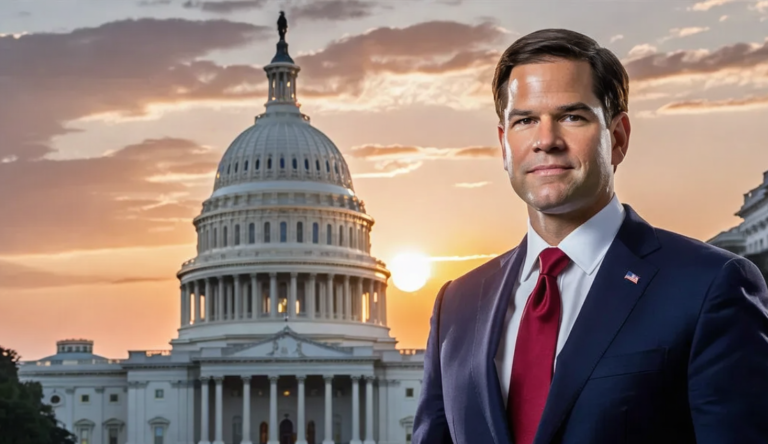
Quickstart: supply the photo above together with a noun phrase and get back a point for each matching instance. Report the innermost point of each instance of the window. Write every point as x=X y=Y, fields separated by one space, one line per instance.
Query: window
x=283 y=232
x=113 y=433
x=237 y=429
x=258 y=164
x=236 y=163
x=159 y=434
x=317 y=165
x=215 y=237
x=237 y=234
x=315 y=232
x=336 y=167
x=295 y=165
x=251 y=233
x=245 y=167
x=341 y=235
x=409 y=393
x=159 y=394
x=269 y=163
x=85 y=399
x=351 y=238
x=266 y=232
x=263 y=433
x=328 y=235
x=55 y=399
x=408 y=433
x=282 y=163
x=300 y=232
x=85 y=433
x=327 y=167
x=228 y=167
x=224 y=237
x=306 y=164
x=113 y=397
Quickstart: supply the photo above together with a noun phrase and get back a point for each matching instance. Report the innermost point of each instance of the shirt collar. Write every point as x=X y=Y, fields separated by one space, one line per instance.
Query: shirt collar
x=586 y=245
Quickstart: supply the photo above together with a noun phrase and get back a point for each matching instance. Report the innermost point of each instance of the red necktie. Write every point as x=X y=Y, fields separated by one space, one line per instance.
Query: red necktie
x=535 y=349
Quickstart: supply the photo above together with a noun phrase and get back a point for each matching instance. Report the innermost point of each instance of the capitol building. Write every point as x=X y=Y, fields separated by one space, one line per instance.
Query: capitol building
x=283 y=333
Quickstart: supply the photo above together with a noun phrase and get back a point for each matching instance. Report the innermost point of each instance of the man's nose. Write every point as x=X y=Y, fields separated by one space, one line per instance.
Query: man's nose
x=548 y=136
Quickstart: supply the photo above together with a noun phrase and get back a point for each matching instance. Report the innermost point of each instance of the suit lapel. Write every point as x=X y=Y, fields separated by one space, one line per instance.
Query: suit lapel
x=492 y=306
x=610 y=300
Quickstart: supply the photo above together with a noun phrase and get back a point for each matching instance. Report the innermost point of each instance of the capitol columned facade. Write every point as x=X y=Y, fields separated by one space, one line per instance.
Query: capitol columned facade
x=283 y=333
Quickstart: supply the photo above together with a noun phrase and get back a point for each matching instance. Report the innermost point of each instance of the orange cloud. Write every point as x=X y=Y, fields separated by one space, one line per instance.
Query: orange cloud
x=22 y=277
x=334 y=10
x=710 y=106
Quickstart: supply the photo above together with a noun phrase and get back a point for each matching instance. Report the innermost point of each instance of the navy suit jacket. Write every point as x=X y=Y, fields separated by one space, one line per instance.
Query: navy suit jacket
x=679 y=357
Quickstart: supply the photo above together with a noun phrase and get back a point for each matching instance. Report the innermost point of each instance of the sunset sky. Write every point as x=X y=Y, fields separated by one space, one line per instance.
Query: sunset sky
x=114 y=114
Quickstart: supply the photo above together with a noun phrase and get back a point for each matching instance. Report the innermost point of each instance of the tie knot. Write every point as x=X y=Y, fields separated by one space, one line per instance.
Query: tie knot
x=552 y=261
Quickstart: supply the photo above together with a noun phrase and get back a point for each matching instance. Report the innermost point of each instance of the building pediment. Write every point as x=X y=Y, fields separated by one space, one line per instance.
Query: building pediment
x=286 y=344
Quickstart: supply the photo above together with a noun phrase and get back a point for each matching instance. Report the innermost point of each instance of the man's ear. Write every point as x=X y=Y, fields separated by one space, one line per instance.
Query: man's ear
x=500 y=127
x=620 y=131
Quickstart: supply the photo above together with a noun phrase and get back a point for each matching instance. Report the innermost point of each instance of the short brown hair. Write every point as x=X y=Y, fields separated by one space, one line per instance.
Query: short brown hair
x=609 y=78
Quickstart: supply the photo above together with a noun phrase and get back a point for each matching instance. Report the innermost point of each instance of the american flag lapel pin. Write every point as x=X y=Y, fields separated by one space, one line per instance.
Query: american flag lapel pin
x=631 y=277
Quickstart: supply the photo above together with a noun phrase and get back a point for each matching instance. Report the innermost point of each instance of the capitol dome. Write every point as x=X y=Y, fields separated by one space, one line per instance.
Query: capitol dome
x=283 y=238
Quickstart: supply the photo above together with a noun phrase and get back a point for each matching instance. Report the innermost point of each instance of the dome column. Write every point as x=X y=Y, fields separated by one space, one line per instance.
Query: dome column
x=255 y=306
x=197 y=302
x=220 y=300
x=204 y=416
x=347 y=299
x=273 y=295
x=292 y=296
x=273 y=410
x=328 y=409
x=383 y=305
x=355 y=410
x=238 y=305
x=208 y=300
x=371 y=308
x=359 y=300
x=311 y=297
x=329 y=297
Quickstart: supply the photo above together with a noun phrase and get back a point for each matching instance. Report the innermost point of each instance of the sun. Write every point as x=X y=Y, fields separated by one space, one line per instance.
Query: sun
x=410 y=271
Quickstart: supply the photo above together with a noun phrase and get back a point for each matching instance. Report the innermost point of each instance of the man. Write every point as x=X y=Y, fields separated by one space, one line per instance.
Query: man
x=598 y=328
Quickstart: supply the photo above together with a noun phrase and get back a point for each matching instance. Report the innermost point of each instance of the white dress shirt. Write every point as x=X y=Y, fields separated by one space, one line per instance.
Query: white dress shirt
x=586 y=247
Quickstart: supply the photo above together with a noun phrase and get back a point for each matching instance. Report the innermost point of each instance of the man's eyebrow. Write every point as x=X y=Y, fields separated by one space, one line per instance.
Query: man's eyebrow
x=568 y=107
x=575 y=106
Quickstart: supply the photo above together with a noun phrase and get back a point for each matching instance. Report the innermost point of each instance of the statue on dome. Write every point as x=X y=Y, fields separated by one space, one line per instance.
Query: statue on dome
x=282 y=25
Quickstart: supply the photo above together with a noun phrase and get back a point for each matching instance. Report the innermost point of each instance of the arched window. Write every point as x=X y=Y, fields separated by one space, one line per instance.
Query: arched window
x=266 y=232
x=306 y=164
x=295 y=165
x=283 y=232
x=282 y=163
x=245 y=167
x=224 y=239
x=251 y=233
x=341 y=235
x=228 y=167
x=236 y=163
x=263 y=433
x=315 y=232
x=336 y=167
x=269 y=163
x=327 y=167
x=328 y=235
x=300 y=232
x=215 y=237
x=258 y=164
x=237 y=234
x=351 y=238
x=317 y=165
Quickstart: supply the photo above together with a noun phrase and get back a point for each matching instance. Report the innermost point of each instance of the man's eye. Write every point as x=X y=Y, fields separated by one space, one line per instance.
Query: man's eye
x=573 y=117
x=523 y=121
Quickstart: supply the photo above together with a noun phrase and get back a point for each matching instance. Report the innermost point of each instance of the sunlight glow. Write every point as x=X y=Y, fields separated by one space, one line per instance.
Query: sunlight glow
x=410 y=271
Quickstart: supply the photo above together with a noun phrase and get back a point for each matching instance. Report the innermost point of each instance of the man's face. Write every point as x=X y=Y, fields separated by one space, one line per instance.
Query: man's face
x=558 y=150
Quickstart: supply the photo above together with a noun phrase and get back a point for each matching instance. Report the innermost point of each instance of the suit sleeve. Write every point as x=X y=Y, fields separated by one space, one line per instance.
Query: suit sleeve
x=728 y=365
x=430 y=425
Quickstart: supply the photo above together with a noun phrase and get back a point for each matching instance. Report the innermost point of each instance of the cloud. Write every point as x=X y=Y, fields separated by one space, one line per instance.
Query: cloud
x=396 y=160
x=111 y=201
x=224 y=7
x=21 y=277
x=640 y=51
x=401 y=64
x=616 y=38
x=473 y=257
x=154 y=2
x=723 y=18
x=336 y=10
x=119 y=68
x=711 y=106
x=708 y=4
x=676 y=33
x=686 y=64
x=471 y=184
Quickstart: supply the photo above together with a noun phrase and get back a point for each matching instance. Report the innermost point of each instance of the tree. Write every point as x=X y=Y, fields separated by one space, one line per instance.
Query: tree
x=24 y=419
